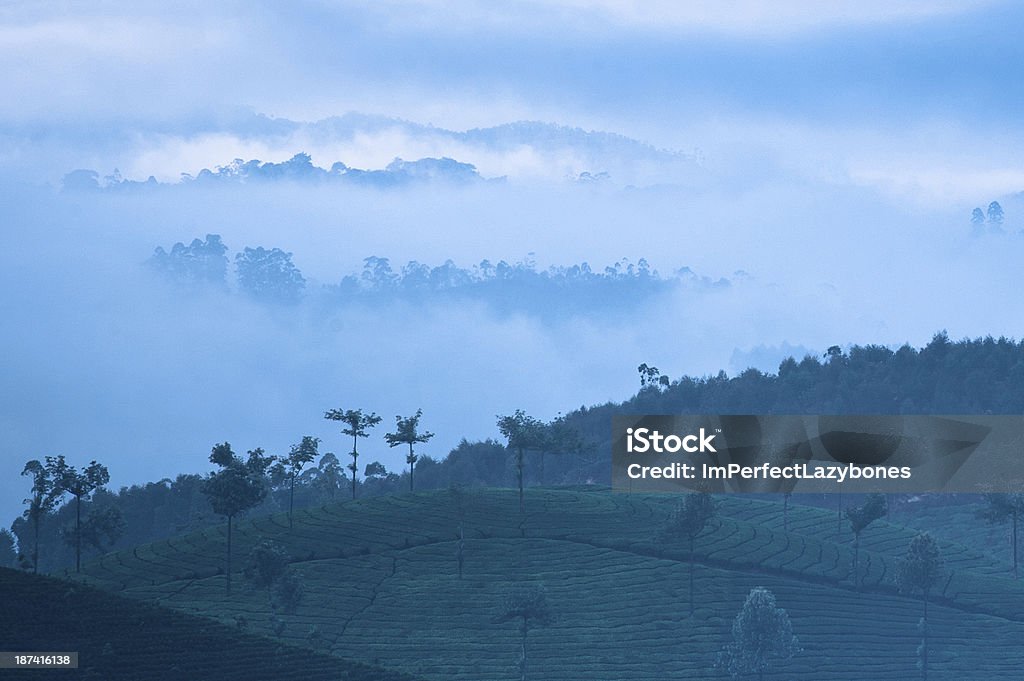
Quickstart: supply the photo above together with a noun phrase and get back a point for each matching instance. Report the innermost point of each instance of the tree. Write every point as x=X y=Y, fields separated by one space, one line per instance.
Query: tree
x=8 y=556
x=80 y=484
x=238 y=486
x=528 y=606
x=199 y=263
x=46 y=495
x=375 y=469
x=558 y=436
x=329 y=476
x=860 y=517
x=522 y=432
x=1003 y=507
x=995 y=217
x=101 y=528
x=977 y=221
x=651 y=376
x=687 y=521
x=291 y=466
x=918 y=571
x=268 y=563
x=269 y=275
x=358 y=425
x=762 y=636
x=407 y=433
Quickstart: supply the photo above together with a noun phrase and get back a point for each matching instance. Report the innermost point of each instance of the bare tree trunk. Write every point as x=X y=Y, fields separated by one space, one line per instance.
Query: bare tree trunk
x=412 y=465
x=78 y=534
x=355 y=462
x=519 y=475
x=1014 y=543
x=227 y=573
x=35 y=547
x=522 y=652
x=691 y=576
x=856 y=560
x=291 y=501
x=924 y=640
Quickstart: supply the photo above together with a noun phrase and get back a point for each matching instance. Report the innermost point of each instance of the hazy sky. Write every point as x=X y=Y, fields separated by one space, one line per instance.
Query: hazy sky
x=833 y=151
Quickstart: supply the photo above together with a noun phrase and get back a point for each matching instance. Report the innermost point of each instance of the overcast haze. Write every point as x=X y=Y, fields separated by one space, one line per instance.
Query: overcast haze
x=823 y=158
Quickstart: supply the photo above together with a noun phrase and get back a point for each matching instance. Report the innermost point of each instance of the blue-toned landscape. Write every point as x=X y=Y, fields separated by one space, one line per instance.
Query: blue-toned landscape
x=316 y=316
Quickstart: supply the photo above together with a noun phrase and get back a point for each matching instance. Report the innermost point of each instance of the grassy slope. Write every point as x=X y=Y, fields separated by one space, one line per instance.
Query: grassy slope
x=119 y=638
x=380 y=584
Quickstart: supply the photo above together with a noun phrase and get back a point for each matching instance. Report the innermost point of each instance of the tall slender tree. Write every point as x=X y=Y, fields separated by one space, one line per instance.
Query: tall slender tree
x=291 y=466
x=687 y=521
x=407 y=433
x=522 y=433
x=236 y=487
x=358 y=425
x=918 y=571
x=1002 y=508
x=874 y=507
x=527 y=605
x=79 y=484
x=46 y=494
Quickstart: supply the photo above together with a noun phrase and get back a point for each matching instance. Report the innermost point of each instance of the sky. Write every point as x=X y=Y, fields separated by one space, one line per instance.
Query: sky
x=830 y=151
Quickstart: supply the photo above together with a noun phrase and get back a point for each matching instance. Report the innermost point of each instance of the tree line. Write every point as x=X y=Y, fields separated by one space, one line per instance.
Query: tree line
x=51 y=535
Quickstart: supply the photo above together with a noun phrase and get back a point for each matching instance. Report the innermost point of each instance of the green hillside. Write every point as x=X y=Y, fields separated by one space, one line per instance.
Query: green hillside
x=381 y=586
x=118 y=638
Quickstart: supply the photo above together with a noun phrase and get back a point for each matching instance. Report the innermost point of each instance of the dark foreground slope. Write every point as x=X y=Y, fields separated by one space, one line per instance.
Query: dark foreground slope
x=381 y=585
x=118 y=638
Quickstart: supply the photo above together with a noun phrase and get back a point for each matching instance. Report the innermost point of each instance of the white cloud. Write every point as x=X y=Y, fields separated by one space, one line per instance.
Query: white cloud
x=731 y=16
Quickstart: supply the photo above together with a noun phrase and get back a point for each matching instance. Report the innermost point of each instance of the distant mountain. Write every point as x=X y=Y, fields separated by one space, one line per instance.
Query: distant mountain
x=365 y=143
x=501 y=137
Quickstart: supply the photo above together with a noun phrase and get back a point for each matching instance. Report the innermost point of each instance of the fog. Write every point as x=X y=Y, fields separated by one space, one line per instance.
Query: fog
x=821 y=164
x=105 y=360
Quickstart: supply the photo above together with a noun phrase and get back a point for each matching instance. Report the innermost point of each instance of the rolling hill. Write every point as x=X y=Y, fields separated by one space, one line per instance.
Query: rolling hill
x=119 y=638
x=381 y=586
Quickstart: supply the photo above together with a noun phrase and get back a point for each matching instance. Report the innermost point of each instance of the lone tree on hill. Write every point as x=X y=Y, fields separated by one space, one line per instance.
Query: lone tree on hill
x=1003 y=507
x=918 y=571
x=687 y=521
x=522 y=432
x=860 y=517
x=45 y=497
x=268 y=563
x=358 y=425
x=528 y=606
x=238 y=486
x=762 y=636
x=291 y=466
x=80 y=484
x=407 y=433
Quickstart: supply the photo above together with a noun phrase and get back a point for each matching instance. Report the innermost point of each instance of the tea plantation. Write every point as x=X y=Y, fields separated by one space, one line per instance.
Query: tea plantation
x=118 y=638
x=381 y=586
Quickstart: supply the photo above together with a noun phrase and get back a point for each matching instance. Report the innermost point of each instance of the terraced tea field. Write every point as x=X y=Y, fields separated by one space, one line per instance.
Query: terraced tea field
x=381 y=586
